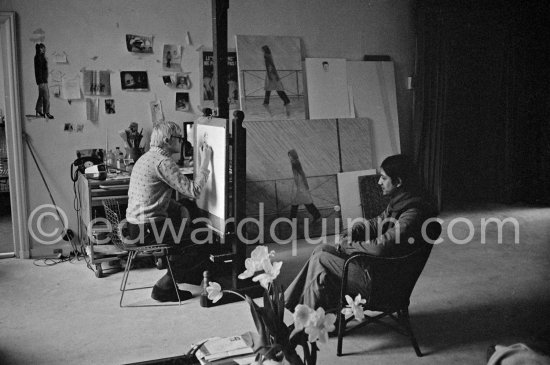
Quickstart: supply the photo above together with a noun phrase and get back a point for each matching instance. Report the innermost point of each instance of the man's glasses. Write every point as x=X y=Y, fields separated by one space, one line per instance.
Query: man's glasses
x=181 y=138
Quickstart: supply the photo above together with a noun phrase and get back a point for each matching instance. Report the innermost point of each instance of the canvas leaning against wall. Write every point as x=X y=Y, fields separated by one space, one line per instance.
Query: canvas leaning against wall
x=270 y=77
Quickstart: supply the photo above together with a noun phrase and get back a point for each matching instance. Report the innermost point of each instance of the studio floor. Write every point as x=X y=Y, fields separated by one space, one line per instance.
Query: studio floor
x=469 y=296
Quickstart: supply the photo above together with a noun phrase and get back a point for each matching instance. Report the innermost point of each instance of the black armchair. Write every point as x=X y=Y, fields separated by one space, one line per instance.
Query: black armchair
x=392 y=282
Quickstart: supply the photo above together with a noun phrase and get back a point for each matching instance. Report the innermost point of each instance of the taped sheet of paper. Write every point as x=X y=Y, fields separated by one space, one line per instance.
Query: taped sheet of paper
x=70 y=88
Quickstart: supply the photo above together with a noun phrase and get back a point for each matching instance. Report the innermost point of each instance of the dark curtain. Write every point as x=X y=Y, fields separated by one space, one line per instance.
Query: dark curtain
x=430 y=98
x=482 y=100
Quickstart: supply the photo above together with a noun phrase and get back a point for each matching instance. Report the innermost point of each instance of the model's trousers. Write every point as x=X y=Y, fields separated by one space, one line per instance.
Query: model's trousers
x=318 y=283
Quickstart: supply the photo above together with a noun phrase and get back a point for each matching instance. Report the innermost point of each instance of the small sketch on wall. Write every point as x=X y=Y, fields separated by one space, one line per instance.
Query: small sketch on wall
x=139 y=43
x=96 y=82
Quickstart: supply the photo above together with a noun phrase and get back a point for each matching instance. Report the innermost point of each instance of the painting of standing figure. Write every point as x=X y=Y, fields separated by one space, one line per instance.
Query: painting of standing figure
x=269 y=64
x=41 y=75
x=301 y=194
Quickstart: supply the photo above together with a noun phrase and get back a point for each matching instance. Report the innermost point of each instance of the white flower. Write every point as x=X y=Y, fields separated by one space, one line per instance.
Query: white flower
x=354 y=307
x=254 y=263
x=214 y=291
x=251 y=268
x=261 y=253
x=271 y=271
x=321 y=326
x=303 y=316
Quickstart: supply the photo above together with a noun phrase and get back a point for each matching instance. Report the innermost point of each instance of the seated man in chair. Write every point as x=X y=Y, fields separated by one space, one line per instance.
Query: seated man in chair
x=152 y=212
x=396 y=232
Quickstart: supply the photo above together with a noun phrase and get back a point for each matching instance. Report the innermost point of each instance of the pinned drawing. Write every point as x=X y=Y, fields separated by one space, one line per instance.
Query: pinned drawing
x=96 y=82
x=157 y=114
x=42 y=107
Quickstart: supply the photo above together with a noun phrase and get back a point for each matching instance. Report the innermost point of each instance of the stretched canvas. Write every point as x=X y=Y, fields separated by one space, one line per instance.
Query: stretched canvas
x=374 y=97
x=280 y=55
x=327 y=88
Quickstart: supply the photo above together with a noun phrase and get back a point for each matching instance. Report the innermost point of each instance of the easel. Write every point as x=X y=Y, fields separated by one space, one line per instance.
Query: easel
x=227 y=247
x=236 y=180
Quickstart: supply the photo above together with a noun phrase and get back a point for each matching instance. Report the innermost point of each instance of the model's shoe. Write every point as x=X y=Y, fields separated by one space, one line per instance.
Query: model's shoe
x=169 y=295
x=40 y=115
x=287 y=110
x=267 y=108
x=48 y=115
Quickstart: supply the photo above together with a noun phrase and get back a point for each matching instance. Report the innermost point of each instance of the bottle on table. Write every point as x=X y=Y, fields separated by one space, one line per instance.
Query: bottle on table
x=205 y=302
x=119 y=158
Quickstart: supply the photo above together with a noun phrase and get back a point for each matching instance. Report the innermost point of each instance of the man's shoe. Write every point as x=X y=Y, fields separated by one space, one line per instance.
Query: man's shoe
x=169 y=295
x=49 y=116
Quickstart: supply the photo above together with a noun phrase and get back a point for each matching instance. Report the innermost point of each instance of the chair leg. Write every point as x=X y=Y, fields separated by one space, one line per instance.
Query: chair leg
x=173 y=280
x=131 y=256
x=341 y=320
x=404 y=315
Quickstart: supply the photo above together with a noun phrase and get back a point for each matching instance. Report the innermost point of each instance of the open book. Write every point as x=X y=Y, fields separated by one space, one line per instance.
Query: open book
x=223 y=347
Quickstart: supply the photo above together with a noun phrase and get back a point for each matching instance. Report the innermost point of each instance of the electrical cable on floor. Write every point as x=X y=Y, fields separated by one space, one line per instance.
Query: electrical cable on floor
x=67 y=233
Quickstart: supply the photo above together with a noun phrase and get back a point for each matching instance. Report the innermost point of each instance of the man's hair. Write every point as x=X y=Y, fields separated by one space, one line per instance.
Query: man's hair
x=162 y=130
x=325 y=63
x=401 y=167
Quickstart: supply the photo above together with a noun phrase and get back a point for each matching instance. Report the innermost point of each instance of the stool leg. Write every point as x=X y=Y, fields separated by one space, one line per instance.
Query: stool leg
x=131 y=256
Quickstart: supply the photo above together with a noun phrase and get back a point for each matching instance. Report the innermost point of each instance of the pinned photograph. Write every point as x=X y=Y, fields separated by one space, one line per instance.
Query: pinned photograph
x=134 y=80
x=182 y=102
x=183 y=81
x=110 y=106
x=207 y=74
x=139 y=43
x=167 y=80
x=171 y=57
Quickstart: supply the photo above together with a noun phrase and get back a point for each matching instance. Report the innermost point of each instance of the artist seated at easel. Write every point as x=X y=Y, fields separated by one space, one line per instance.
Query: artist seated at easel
x=151 y=207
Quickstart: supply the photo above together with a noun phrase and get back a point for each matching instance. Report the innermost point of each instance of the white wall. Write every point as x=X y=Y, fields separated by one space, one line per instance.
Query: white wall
x=92 y=34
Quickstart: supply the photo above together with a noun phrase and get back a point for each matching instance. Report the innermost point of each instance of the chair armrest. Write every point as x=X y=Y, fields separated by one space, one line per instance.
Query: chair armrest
x=373 y=260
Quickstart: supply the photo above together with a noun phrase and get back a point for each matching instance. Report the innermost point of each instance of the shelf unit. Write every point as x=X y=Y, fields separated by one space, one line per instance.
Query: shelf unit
x=91 y=194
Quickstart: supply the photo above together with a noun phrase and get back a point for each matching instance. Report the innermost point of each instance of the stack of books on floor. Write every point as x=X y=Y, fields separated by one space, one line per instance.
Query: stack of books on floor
x=225 y=351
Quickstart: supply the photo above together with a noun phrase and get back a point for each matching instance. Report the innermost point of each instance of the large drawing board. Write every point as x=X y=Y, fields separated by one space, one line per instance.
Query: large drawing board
x=212 y=201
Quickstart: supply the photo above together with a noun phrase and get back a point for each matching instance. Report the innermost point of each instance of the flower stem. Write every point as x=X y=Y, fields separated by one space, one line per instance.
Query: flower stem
x=234 y=292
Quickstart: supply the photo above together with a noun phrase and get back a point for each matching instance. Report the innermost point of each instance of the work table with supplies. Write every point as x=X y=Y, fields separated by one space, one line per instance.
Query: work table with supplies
x=90 y=196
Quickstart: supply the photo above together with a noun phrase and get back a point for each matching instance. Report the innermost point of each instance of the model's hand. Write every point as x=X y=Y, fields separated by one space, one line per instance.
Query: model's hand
x=206 y=155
